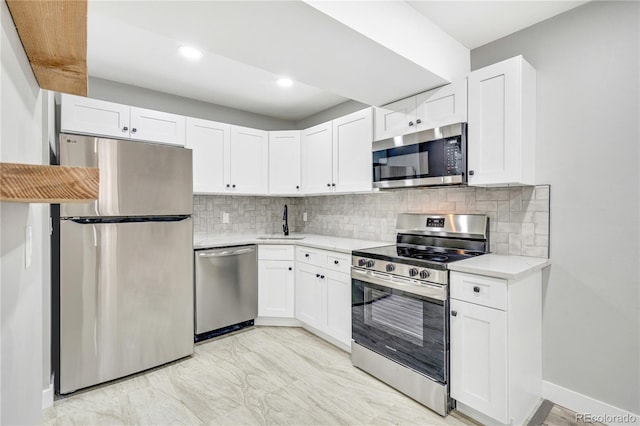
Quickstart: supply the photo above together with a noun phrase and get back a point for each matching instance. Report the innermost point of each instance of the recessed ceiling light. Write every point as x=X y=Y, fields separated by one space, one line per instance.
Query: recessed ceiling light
x=284 y=82
x=190 y=52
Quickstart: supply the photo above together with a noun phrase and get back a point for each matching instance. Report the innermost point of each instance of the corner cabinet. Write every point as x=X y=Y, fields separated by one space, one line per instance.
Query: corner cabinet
x=284 y=163
x=336 y=156
x=496 y=346
x=438 y=107
x=248 y=161
x=502 y=124
x=100 y=118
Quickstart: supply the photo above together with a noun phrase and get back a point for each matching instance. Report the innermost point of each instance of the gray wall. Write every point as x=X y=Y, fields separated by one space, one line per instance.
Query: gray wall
x=21 y=288
x=145 y=98
x=588 y=150
x=330 y=113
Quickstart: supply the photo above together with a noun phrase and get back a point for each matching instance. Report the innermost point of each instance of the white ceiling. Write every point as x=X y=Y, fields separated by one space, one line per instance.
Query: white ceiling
x=248 y=45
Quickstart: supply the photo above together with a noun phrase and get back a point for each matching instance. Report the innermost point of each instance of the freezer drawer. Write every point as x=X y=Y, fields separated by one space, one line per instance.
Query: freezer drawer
x=126 y=299
x=136 y=178
x=226 y=287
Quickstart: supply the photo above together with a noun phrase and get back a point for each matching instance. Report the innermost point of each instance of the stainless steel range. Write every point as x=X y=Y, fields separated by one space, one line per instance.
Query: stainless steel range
x=400 y=303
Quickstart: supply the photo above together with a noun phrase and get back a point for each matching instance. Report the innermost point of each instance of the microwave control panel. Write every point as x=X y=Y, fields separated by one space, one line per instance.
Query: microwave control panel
x=453 y=156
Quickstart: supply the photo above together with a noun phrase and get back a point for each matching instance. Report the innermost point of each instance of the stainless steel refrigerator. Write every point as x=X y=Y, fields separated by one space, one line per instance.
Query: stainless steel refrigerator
x=123 y=301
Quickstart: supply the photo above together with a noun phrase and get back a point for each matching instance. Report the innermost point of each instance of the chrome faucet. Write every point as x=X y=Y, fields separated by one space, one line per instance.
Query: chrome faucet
x=285 y=218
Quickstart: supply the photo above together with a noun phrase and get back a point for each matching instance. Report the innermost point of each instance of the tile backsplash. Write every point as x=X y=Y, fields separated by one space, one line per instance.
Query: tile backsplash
x=519 y=216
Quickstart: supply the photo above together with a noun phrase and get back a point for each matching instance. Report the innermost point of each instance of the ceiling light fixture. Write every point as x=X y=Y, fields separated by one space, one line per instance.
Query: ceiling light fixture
x=284 y=82
x=190 y=52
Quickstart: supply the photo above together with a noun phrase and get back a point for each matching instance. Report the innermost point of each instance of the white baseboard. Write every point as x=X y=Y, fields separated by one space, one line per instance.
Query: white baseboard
x=583 y=404
x=47 y=397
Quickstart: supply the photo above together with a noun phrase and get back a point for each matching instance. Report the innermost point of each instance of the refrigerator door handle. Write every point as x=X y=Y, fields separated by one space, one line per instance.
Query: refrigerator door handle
x=226 y=253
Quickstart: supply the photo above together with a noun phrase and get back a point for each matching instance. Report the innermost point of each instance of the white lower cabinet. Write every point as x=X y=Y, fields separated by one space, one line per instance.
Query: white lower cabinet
x=496 y=346
x=323 y=294
x=276 y=277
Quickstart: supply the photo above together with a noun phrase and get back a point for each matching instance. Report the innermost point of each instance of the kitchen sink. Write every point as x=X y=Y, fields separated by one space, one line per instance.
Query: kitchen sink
x=281 y=237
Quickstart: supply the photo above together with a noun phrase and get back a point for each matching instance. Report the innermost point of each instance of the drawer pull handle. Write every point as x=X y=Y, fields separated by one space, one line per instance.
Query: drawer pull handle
x=336 y=262
x=454 y=313
x=476 y=289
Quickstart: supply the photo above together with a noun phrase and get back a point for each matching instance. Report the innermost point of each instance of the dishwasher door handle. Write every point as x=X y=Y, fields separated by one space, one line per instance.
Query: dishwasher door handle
x=226 y=253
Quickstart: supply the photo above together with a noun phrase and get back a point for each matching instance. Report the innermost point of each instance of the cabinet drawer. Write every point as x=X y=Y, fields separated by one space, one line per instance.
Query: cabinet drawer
x=485 y=291
x=275 y=252
x=339 y=262
x=311 y=256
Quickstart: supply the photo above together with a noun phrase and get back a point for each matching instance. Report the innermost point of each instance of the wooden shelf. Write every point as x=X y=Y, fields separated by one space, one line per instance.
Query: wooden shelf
x=54 y=36
x=30 y=183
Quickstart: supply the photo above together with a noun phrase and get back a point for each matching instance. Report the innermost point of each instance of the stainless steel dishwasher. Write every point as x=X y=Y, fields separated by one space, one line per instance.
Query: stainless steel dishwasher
x=226 y=290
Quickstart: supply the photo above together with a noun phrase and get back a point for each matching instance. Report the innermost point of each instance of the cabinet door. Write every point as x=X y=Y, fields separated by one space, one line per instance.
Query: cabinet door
x=93 y=117
x=317 y=158
x=284 y=162
x=338 y=306
x=249 y=161
x=308 y=295
x=209 y=142
x=156 y=126
x=502 y=124
x=479 y=358
x=442 y=106
x=352 y=158
x=275 y=288
x=395 y=119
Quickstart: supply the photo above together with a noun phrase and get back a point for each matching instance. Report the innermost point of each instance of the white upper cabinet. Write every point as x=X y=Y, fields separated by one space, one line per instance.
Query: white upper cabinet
x=502 y=124
x=442 y=106
x=395 y=119
x=317 y=159
x=210 y=142
x=284 y=163
x=352 y=139
x=101 y=118
x=435 y=108
x=93 y=117
x=248 y=161
x=156 y=126
x=336 y=156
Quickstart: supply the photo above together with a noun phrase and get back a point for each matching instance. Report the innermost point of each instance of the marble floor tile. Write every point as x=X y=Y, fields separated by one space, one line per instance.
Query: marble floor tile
x=258 y=376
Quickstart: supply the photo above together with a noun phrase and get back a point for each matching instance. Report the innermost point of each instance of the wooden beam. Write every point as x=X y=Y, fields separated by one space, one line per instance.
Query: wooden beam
x=54 y=36
x=30 y=183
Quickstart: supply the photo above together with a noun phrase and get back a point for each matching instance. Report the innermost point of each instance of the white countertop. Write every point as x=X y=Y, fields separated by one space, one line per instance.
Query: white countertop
x=500 y=266
x=343 y=245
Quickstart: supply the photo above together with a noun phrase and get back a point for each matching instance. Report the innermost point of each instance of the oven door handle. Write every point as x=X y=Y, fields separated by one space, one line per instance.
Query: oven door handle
x=403 y=284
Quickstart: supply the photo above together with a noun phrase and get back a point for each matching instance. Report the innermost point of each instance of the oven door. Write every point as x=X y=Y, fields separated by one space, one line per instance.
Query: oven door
x=405 y=322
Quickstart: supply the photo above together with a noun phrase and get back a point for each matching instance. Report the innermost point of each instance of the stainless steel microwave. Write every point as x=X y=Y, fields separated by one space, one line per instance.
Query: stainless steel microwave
x=431 y=157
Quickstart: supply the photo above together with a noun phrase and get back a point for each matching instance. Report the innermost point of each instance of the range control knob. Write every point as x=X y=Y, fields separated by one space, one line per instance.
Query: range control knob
x=370 y=263
x=424 y=274
x=362 y=262
x=413 y=272
x=390 y=267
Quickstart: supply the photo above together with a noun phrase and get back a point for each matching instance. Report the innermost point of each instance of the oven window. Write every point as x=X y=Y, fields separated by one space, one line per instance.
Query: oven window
x=410 y=329
x=394 y=314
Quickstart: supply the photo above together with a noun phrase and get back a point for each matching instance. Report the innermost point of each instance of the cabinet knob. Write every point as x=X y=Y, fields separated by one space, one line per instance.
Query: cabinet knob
x=336 y=262
x=306 y=255
x=418 y=121
x=317 y=275
x=228 y=185
x=328 y=184
x=290 y=268
x=322 y=277
x=133 y=130
x=297 y=186
x=333 y=184
x=410 y=123
x=454 y=313
x=470 y=172
x=233 y=186
x=125 y=128
x=476 y=289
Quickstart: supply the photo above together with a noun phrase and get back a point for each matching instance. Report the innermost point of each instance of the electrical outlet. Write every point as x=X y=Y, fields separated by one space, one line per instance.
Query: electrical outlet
x=225 y=217
x=304 y=216
x=28 y=246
